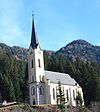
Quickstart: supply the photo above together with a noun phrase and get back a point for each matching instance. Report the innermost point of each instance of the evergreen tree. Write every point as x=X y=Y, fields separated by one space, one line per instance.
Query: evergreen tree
x=60 y=96
x=13 y=80
x=98 y=89
x=78 y=99
x=11 y=91
x=53 y=63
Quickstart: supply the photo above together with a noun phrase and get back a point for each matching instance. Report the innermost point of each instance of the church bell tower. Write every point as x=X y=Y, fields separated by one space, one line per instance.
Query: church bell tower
x=35 y=70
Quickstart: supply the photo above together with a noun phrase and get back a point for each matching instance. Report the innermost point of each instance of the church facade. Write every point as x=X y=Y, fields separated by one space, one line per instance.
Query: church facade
x=43 y=83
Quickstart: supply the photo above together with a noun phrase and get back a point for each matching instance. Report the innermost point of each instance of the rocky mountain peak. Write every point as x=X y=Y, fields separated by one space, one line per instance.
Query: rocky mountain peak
x=82 y=49
x=18 y=52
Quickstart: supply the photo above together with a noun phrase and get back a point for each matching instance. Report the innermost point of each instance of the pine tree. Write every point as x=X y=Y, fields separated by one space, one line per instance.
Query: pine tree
x=98 y=89
x=78 y=99
x=60 y=96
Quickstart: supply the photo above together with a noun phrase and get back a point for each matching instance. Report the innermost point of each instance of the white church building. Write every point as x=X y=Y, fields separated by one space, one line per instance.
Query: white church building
x=43 y=83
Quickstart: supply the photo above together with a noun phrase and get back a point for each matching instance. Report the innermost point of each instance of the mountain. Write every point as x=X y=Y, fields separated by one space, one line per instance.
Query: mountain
x=18 y=52
x=78 y=48
x=82 y=49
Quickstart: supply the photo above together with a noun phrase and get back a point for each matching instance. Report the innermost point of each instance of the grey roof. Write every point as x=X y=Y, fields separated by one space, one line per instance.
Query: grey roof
x=34 y=40
x=54 y=77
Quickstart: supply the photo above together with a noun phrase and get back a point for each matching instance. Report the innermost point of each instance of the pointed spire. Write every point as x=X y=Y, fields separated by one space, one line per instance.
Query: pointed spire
x=34 y=40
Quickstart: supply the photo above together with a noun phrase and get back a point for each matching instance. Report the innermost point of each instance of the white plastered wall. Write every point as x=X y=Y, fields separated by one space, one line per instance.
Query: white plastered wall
x=70 y=93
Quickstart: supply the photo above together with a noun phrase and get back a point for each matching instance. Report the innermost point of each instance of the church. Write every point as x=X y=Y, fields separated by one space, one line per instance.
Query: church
x=43 y=83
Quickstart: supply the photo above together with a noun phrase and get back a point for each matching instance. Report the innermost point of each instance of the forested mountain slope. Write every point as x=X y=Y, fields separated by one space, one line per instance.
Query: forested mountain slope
x=13 y=78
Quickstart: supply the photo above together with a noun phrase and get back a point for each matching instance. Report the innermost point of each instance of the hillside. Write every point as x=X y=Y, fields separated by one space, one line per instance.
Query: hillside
x=82 y=49
x=18 y=52
x=78 y=48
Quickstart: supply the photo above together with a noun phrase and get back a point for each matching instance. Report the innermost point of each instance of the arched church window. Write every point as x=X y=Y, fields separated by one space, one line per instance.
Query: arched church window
x=32 y=63
x=41 y=90
x=53 y=93
x=32 y=78
x=32 y=90
x=73 y=94
x=67 y=95
x=39 y=64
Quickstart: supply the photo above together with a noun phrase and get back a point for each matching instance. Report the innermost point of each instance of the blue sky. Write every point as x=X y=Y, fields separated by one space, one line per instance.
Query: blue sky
x=57 y=22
